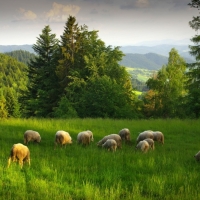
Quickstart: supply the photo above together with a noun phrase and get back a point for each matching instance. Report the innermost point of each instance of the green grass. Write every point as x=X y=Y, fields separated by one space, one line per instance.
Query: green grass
x=75 y=172
x=141 y=74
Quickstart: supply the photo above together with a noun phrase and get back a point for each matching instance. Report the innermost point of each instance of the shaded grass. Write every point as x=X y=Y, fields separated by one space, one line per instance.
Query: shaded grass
x=77 y=172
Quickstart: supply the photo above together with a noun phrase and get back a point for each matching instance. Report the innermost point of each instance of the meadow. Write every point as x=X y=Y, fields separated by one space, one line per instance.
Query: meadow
x=170 y=172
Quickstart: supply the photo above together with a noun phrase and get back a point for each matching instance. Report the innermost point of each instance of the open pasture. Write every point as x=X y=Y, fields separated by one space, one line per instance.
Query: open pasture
x=170 y=172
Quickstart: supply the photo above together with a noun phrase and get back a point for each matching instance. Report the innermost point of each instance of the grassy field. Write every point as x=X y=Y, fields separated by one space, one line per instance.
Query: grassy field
x=141 y=74
x=170 y=172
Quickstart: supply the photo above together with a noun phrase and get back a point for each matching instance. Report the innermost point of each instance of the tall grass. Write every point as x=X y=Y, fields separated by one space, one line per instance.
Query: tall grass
x=77 y=172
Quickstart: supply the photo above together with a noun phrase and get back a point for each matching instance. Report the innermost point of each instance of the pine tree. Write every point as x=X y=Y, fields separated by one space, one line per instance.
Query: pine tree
x=43 y=89
x=193 y=99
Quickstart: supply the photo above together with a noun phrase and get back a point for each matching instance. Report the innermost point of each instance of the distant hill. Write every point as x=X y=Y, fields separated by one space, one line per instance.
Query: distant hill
x=9 y=48
x=150 y=61
x=163 y=50
x=144 y=57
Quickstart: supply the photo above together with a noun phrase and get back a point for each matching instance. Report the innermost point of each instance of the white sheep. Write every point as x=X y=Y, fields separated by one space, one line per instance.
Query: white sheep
x=158 y=136
x=125 y=134
x=85 y=137
x=19 y=152
x=116 y=137
x=197 y=156
x=62 y=138
x=31 y=135
x=144 y=135
x=143 y=146
x=110 y=144
x=151 y=143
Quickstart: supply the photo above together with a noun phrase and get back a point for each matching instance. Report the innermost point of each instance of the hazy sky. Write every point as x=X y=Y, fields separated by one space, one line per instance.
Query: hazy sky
x=120 y=22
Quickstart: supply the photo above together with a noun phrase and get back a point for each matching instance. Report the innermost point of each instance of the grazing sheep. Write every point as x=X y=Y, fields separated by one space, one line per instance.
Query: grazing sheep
x=197 y=156
x=116 y=137
x=143 y=146
x=31 y=135
x=110 y=144
x=158 y=136
x=85 y=137
x=151 y=143
x=125 y=134
x=19 y=152
x=62 y=138
x=144 y=135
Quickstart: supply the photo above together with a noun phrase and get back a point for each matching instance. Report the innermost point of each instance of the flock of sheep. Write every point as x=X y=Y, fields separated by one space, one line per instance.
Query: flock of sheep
x=144 y=142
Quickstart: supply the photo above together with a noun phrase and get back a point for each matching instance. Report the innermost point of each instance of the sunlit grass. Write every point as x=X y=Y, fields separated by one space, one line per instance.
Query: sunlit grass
x=77 y=172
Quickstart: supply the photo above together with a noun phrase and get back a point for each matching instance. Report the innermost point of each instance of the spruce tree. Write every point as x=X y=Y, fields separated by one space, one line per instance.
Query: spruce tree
x=43 y=88
x=193 y=98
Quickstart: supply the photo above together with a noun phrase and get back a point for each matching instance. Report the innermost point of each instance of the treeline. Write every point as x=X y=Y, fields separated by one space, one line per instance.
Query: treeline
x=79 y=76
x=21 y=55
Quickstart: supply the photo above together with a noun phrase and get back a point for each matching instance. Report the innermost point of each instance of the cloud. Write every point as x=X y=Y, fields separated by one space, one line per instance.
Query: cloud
x=136 y=4
x=60 y=13
x=142 y=3
x=27 y=14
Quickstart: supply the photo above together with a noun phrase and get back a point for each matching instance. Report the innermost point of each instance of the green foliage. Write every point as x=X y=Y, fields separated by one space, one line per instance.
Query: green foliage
x=13 y=76
x=193 y=74
x=64 y=109
x=76 y=172
x=43 y=89
x=168 y=86
x=3 y=110
x=12 y=73
x=12 y=104
x=104 y=98
x=79 y=71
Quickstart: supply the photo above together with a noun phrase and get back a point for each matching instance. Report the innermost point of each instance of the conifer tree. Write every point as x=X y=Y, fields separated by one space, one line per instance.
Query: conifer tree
x=43 y=89
x=193 y=99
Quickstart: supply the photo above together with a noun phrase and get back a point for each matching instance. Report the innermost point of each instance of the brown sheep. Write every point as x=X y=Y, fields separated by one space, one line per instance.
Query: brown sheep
x=144 y=135
x=19 y=152
x=31 y=135
x=158 y=136
x=110 y=144
x=151 y=143
x=143 y=146
x=62 y=138
x=116 y=137
x=125 y=135
x=85 y=137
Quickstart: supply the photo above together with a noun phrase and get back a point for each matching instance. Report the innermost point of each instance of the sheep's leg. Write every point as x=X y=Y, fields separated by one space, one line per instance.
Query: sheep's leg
x=21 y=163
x=9 y=161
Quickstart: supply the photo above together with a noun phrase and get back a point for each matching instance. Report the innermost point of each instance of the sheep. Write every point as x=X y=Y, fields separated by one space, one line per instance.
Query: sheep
x=110 y=144
x=151 y=143
x=125 y=135
x=143 y=146
x=197 y=156
x=62 y=138
x=116 y=137
x=143 y=135
x=85 y=137
x=158 y=136
x=19 y=152
x=31 y=135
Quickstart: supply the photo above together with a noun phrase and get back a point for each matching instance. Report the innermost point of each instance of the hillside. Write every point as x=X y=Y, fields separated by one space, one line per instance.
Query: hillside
x=150 y=61
x=163 y=50
x=12 y=72
x=9 y=48
x=21 y=55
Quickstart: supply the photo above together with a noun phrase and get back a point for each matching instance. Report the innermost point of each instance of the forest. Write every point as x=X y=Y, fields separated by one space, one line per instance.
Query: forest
x=79 y=76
